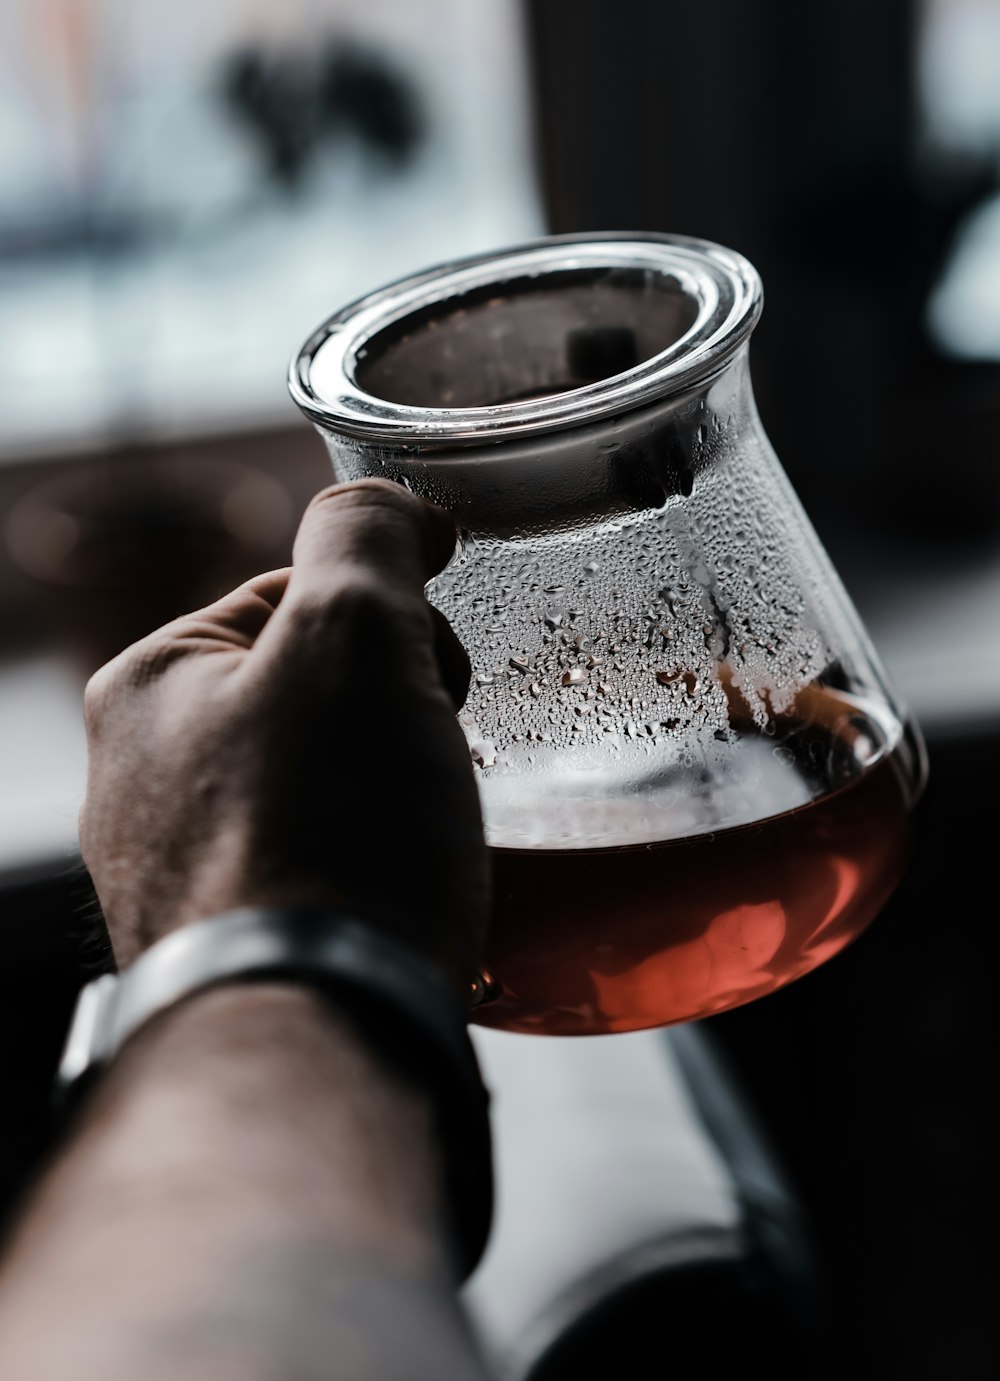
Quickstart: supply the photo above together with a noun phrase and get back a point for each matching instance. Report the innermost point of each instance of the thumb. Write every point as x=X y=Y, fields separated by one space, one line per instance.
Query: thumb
x=362 y=557
x=371 y=530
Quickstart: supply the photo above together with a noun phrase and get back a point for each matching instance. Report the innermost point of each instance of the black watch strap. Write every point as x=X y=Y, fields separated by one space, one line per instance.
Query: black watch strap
x=398 y=1003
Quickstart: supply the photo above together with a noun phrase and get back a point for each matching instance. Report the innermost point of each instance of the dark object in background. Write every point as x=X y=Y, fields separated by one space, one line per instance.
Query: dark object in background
x=361 y=90
x=295 y=104
x=793 y=133
x=274 y=95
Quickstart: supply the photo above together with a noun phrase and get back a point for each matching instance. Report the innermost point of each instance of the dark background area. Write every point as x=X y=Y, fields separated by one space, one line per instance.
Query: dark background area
x=797 y=133
x=800 y=135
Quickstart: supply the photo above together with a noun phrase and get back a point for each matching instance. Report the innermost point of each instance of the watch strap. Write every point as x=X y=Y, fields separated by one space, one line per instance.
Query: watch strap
x=396 y=1001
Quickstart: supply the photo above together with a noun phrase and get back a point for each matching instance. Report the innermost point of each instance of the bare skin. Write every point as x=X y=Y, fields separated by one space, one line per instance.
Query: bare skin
x=251 y=1192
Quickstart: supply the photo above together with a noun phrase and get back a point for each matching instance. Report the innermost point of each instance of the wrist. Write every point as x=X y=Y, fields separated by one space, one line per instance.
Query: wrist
x=273 y=1072
x=397 y=1009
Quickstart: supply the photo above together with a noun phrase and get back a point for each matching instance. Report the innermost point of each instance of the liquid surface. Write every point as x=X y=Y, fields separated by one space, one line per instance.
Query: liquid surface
x=588 y=941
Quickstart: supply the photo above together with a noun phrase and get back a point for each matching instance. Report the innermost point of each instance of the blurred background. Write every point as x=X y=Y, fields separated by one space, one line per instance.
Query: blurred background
x=187 y=189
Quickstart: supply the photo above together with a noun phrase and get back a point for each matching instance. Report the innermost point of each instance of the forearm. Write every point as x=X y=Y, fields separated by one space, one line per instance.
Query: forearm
x=252 y=1195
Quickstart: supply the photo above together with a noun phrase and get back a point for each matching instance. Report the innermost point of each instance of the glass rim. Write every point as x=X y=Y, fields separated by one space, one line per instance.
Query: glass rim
x=723 y=287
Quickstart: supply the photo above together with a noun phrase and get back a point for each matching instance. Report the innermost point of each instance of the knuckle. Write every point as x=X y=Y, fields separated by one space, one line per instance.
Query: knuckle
x=145 y=661
x=96 y=695
x=137 y=666
x=359 y=610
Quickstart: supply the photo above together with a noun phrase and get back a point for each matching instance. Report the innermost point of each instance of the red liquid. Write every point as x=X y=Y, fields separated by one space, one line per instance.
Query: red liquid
x=590 y=941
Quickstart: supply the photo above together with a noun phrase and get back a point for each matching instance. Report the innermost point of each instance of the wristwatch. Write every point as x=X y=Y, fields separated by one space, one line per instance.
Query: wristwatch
x=399 y=1005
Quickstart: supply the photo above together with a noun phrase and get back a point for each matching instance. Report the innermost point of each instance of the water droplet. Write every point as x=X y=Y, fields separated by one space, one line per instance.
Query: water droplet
x=485 y=753
x=593 y=662
x=535 y=689
x=666 y=678
x=691 y=683
x=484 y=678
x=521 y=663
x=553 y=589
x=590 y=568
x=553 y=619
x=574 y=676
x=702 y=434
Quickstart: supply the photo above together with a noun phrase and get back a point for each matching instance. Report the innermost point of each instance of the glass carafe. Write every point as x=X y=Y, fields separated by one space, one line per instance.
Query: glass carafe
x=696 y=780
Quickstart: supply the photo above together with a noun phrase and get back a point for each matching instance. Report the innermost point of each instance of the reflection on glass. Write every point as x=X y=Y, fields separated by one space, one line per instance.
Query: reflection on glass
x=696 y=780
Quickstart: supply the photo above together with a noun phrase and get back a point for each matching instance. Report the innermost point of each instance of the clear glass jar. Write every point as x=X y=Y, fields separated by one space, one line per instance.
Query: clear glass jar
x=696 y=781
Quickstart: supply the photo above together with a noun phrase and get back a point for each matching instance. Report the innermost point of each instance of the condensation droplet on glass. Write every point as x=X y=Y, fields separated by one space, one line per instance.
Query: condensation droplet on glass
x=484 y=754
x=574 y=676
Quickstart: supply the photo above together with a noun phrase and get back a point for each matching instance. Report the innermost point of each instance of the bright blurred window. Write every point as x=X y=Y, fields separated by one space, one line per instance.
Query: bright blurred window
x=187 y=188
x=959 y=85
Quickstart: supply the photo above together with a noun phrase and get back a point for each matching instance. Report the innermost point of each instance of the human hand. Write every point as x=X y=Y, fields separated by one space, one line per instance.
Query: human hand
x=296 y=743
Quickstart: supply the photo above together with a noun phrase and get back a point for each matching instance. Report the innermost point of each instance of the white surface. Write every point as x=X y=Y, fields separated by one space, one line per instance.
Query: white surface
x=42 y=762
x=938 y=632
x=603 y=1169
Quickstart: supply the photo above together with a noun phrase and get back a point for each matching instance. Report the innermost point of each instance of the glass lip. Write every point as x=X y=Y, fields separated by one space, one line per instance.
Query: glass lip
x=724 y=286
